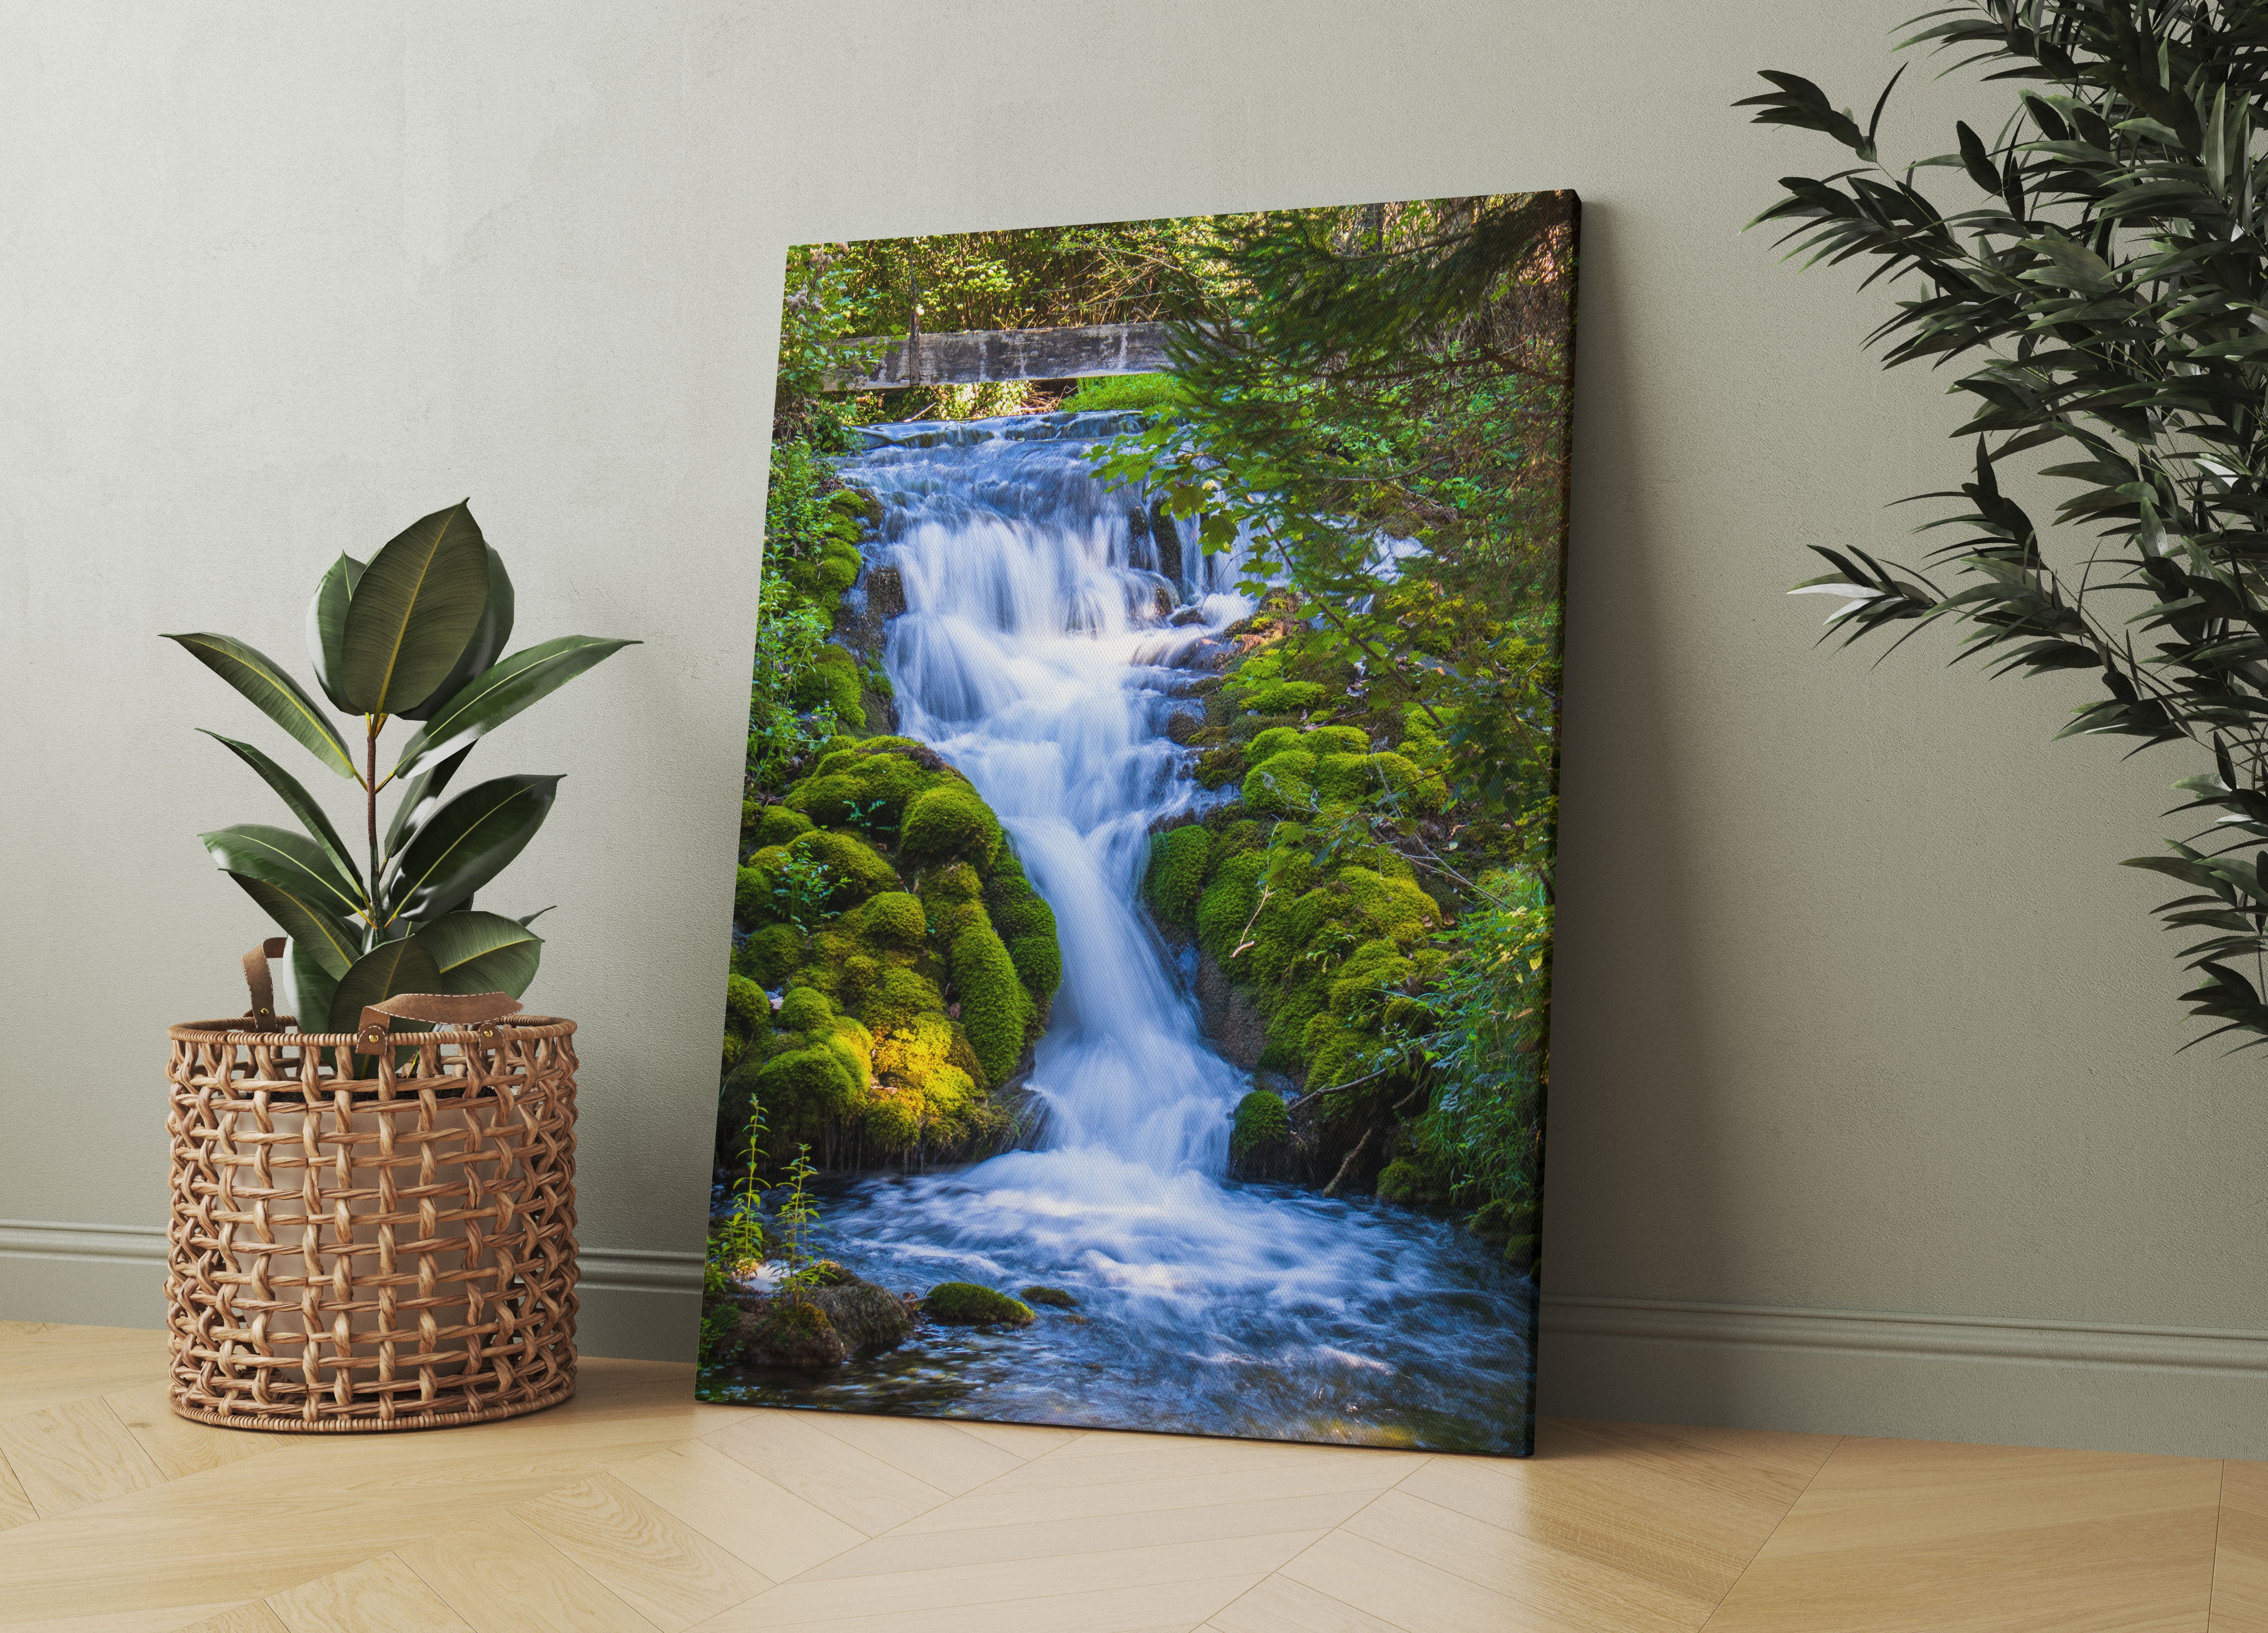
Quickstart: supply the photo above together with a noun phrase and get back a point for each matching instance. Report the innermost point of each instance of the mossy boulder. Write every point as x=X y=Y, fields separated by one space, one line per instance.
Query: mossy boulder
x=832 y=680
x=1052 y=1298
x=966 y=1304
x=777 y=824
x=790 y=1331
x=1176 y=873
x=1262 y=1127
x=1404 y=1182
x=869 y=1319
x=995 y=1008
x=1283 y=784
x=949 y=823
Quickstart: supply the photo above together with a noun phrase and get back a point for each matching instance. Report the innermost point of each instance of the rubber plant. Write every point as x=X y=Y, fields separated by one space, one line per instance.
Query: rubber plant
x=415 y=634
x=2100 y=297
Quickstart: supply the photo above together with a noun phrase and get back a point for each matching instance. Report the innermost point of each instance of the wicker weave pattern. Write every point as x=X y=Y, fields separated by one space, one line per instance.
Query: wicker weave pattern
x=395 y=1252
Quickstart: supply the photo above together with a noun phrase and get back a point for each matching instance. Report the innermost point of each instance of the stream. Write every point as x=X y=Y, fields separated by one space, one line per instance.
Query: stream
x=1042 y=651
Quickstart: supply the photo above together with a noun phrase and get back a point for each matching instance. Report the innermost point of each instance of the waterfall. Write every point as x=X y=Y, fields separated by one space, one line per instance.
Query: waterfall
x=1049 y=625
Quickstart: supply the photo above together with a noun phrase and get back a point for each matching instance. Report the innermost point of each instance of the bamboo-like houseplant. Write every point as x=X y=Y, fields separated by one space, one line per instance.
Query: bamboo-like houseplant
x=417 y=633
x=2104 y=296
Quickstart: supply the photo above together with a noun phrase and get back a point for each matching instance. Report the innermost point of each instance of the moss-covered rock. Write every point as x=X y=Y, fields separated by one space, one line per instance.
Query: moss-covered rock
x=832 y=680
x=870 y=1319
x=949 y=823
x=1403 y=1181
x=792 y=1331
x=894 y=919
x=1053 y=1297
x=1262 y=1127
x=777 y=824
x=995 y=1008
x=1176 y=873
x=965 y=1304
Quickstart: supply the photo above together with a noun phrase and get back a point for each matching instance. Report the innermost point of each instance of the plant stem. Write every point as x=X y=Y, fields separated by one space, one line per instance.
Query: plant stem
x=370 y=806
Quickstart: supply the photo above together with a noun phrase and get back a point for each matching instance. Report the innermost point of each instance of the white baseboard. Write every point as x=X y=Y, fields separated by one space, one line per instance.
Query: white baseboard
x=635 y=1304
x=2191 y=1391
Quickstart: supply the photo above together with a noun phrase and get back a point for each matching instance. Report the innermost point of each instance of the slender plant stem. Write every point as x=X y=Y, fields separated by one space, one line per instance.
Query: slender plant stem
x=370 y=806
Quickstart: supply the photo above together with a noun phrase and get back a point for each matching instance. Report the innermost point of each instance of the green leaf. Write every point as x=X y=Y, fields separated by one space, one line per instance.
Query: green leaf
x=384 y=972
x=526 y=677
x=482 y=953
x=262 y=680
x=467 y=842
x=326 y=623
x=414 y=612
x=420 y=800
x=313 y=987
x=488 y=640
x=302 y=806
x=290 y=861
x=328 y=942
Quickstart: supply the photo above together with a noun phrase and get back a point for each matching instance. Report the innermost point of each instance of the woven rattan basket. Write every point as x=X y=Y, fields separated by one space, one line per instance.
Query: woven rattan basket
x=389 y=1250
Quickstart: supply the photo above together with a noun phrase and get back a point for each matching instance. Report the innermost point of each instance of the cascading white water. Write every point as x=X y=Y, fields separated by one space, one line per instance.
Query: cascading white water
x=1046 y=621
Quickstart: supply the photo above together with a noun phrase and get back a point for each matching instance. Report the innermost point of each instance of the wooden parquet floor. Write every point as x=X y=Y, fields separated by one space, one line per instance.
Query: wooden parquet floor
x=635 y=1509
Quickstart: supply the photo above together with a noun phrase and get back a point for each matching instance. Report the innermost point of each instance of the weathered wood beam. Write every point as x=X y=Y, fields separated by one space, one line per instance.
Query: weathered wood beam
x=981 y=354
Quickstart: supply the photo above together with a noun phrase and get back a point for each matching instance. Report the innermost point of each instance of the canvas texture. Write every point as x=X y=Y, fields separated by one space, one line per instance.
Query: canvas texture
x=1138 y=1013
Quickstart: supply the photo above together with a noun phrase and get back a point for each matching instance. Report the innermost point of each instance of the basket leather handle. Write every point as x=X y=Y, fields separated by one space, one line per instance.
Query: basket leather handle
x=474 y=1011
x=261 y=1017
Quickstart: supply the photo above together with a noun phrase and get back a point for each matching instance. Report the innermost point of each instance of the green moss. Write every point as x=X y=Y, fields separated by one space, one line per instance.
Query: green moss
x=856 y=868
x=1262 y=1124
x=1014 y=908
x=1054 y=1298
x=771 y=955
x=746 y=1005
x=1177 y=870
x=1039 y=963
x=751 y=896
x=901 y=996
x=1281 y=697
x=777 y=824
x=965 y=1304
x=995 y=1009
x=833 y=678
x=1322 y=739
x=892 y=919
x=1228 y=902
x=949 y=823
x=803 y=1009
x=1283 y=784
x=893 y=1119
x=804 y=1086
x=1403 y=1181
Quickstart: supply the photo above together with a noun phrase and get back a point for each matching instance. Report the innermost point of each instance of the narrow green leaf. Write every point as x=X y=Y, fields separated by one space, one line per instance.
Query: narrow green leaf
x=384 y=972
x=494 y=697
x=488 y=640
x=313 y=987
x=325 y=940
x=414 y=612
x=465 y=843
x=326 y=623
x=262 y=680
x=482 y=952
x=302 y=806
x=289 y=861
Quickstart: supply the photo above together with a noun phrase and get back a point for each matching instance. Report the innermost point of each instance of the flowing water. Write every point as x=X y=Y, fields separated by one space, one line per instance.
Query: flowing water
x=1045 y=644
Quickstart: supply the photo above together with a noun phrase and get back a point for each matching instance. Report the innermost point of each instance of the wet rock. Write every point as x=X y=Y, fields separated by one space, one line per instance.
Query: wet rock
x=1183 y=724
x=1167 y=534
x=885 y=593
x=1186 y=616
x=965 y=1304
x=1054 y=1298
x=790 y=1330
x=1232 y=1021
x=1211 y=655
x=868 y=1318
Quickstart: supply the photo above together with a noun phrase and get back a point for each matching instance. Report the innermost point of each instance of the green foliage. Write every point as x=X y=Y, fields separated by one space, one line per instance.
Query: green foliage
x=417 y=633
x=1177 y=871
x=798 y=1222
x=1153 y=391
x=965 y=1304
x=2101 y=290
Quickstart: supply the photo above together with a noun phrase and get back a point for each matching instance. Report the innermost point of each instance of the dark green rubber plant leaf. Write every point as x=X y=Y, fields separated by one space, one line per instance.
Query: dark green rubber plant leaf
x=489 y=638
x=327 y=623
x=313 y=987
x=302 y=806
x=495 y=696
x=482 y=952
x=386 y=971
x=420 y=800
x=465 y=843
x=320 y=939
x=289 y=861
x=414 y=612
x=262 y=680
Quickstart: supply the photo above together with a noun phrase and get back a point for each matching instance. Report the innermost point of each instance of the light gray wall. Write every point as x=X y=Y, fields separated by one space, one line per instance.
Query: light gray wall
x=1860 y=1029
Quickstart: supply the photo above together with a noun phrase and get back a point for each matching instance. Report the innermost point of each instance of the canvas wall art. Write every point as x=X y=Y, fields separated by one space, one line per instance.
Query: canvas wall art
x=1141 y=936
